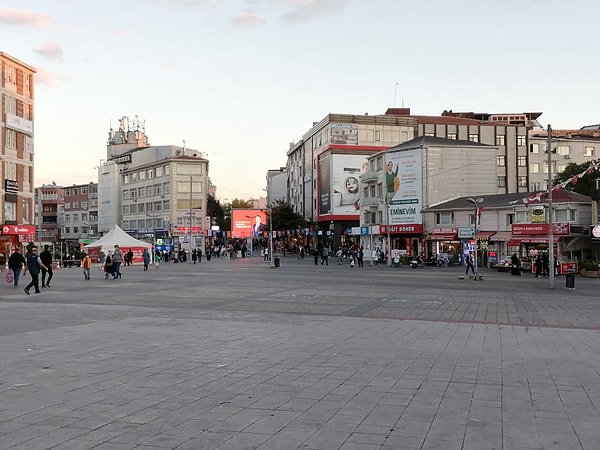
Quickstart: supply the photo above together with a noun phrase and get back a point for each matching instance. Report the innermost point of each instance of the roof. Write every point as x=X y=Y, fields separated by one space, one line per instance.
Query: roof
x=430 y=141
x=116 y=236
x=506 y=200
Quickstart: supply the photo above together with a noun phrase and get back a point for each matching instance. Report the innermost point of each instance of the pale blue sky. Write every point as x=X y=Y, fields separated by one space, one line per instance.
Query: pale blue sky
x=241 y=79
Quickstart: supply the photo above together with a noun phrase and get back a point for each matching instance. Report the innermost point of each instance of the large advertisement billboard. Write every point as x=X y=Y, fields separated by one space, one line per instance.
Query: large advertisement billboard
x=339 y=184
x=404 y=187
x=248 y=223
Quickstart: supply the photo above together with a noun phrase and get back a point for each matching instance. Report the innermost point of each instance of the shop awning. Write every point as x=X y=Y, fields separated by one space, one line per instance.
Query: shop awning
x=501 y=236
x=442 y=237
x=485 y=234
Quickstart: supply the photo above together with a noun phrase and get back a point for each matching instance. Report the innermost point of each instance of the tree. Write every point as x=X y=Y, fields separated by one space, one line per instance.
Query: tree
x=284 y=217
x=584 y=185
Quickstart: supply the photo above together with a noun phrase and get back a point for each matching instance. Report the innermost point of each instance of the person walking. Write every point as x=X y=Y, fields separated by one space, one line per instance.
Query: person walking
x=146 y=258
x=46 y=258
x=108 y=266
x=539 y=264
x=34 y=264
x=86 y=264
x=16 y=263
x=316 y=255
x=129 y=258
x=117 y=260
x=325 y=256
x=469 y=261
x=360 y=255
x=194 y=256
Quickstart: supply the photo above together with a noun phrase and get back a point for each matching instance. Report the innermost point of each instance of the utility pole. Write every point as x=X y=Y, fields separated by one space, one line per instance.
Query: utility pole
x=550 y=218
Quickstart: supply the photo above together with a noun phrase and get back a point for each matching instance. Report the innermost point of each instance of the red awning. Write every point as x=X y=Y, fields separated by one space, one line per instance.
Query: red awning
x=442 y=237
x=530 y=240
x=485 y=234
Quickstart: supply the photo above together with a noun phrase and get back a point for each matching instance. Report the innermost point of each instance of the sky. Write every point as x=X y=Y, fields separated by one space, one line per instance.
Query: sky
x=241 y=79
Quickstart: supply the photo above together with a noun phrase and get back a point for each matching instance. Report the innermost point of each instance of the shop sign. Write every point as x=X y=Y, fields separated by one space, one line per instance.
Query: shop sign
x=18 y=229
x=415 y=228
x=520 y=229
x=538 y=214
x=11 y=186
x=19 y=124
x=466 y=232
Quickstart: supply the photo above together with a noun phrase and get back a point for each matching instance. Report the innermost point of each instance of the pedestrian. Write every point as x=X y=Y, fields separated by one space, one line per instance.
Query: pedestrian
x=16 y=263
x=539 y=264
x=302 y=251
x=325 y=256
x=199 y=255
x=34 y=264
x=86 y=264
x=108 y=266
x=146 y=258
x=516 y=264
x=46 y=258
x=360 y=255
x=469 y=262
x=194 y=256
x=101 y=260
x=117 y=260
x=316 y=256
x=545 y=265
x=338 y=254
x=129 y=258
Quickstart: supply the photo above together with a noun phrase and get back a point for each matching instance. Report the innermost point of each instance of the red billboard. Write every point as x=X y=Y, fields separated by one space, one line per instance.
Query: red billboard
x=248 y=223
x=558 y=229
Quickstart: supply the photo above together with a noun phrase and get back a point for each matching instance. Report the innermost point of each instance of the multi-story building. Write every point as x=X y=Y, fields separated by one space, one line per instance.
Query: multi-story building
x=568 y=146
x=153 y=192
x=79 y=220
x=49 y=204
x=16 y=153
x=337 y=147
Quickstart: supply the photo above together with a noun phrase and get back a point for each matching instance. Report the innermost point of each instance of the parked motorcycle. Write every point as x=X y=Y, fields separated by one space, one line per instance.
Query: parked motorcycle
x=416 y=263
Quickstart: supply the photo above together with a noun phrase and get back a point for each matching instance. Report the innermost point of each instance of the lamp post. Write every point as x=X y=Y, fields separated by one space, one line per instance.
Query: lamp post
x=475 y=203
x=550 y=218
x=389 y=240
x=191 y=212
x=271 y=235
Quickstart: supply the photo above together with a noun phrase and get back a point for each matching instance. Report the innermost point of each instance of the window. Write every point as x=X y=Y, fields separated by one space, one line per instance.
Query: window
x=473 y=137
x=11 y=138
x=159 y=171
x=501 y=181
x=535 y=186
x=444 y=218
x=563 y=150
x=75 y=205
x=377 y=135
x=523 y=216
x=553 y=166
x=142 y=175
x=522 y=181
x=380 y=163
x=184 y=186
x=510 y=219
x=565 y=215
x=500 y=160
x=75 y=217
x=75 y=192
x=522 y=161
x=534 y=168
x=403 y=136
x=189 y=169
x=521 y=140
x=501 y=139
x=133 y=177
x=141 y=192
x=534 y=148
x=84 y=190
x=126 y=179
x=167 y=170
x=371 y=165
x=84 y=217
x=589 y=151
x=150 y=174
x=452 y=136
x=67 y=192
x=67 y=230
x=67 y=217
x=183 y=203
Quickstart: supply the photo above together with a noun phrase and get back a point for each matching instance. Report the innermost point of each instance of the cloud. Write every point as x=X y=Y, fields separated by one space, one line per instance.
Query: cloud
x=50 y=50
x=19 y=17
x=247 y=19
x=214 y=3
x=48 y=78
x=306 y=10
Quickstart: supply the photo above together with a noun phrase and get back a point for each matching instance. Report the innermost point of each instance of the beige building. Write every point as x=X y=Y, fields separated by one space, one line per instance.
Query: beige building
x=16 y=153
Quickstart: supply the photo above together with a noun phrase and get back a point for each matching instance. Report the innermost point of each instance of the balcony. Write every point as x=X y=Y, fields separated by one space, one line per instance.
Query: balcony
x=369 y=177
x=370 y=202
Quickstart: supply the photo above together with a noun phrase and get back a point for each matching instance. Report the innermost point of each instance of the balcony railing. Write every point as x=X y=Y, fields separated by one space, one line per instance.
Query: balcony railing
x=369 y=177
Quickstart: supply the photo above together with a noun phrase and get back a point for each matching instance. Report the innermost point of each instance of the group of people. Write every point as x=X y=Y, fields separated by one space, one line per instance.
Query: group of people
x=32 y=263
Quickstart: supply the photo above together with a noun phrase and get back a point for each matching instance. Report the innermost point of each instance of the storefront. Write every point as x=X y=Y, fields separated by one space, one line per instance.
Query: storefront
x=13 y=236
x=444 y=240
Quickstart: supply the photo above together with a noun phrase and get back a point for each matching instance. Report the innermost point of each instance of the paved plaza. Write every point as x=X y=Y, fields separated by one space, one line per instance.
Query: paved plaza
x=237 y=355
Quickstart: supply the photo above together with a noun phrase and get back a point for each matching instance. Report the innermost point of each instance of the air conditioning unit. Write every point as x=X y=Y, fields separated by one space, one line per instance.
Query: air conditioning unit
x=568 y=156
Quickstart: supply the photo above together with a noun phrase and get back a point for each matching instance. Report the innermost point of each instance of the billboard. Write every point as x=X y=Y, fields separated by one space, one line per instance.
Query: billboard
x=248 y=223
x=339 y=184
x=404 y=186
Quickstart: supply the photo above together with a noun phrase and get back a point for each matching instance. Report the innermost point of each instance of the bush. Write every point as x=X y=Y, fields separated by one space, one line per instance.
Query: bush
x=588 y=265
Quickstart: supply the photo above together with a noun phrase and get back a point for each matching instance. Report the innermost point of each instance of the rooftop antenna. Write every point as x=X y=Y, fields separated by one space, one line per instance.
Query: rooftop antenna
x=395 y=91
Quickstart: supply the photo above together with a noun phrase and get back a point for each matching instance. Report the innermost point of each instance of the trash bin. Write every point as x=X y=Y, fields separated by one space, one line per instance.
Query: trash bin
x=276 y=261
x=570 y=281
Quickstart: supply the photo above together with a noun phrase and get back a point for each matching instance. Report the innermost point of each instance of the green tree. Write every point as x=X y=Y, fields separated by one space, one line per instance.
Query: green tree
x=285 y=218
x=585 y=184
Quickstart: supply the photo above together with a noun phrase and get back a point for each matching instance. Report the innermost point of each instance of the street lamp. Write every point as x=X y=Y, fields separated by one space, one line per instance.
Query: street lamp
x=387 y=221
x=475 y=203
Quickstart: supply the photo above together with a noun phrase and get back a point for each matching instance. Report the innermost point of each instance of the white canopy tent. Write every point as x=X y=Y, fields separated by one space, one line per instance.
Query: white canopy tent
x=116 y=236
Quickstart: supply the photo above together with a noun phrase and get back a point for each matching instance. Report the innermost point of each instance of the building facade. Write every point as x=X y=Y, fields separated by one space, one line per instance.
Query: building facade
x=79 y=218
x=16 y=154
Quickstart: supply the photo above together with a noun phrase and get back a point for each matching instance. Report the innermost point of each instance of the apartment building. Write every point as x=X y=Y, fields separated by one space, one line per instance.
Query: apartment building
x=16 y=153
x=79 y=218
x=568 y=146
x=155 y=193
x=49 y=205
x=340 y=144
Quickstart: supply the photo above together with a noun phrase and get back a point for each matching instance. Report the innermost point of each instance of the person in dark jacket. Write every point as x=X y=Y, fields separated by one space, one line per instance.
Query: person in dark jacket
x=516 y=264
x=16 y=262
x=46 y=258
x=34 y=265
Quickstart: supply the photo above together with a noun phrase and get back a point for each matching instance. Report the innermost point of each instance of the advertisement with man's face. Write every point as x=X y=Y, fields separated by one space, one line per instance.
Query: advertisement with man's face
x=404 y=186
x=248 y=223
